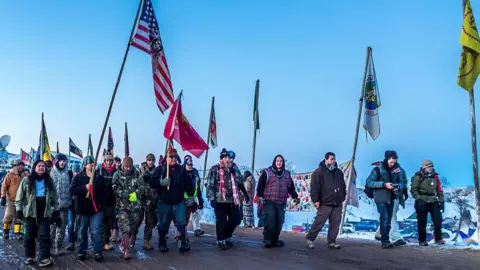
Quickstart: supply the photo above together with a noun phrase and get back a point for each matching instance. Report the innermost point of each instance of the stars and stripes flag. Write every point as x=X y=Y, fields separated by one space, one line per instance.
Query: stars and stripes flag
x=147 y=38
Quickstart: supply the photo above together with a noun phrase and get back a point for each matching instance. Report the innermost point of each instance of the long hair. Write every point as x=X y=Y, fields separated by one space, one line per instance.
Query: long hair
x=246 y=174
x=34 y=176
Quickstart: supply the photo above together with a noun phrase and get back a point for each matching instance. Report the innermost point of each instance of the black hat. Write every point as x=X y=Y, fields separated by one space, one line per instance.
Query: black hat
x=224 y=153
x=61 y=157
x=391 y=154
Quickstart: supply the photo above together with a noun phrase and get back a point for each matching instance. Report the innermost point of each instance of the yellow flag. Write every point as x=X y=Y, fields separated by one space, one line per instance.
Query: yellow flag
x=469 y=61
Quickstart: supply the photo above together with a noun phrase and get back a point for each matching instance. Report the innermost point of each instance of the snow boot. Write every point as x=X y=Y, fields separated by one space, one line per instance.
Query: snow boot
x=146 y=245
x=333 y=246
x=387 y=244
x=125 y=246
x=439 y=242
x=17 y=229
x=6 y=230
x=400 y=242
x=222 y=245
x=182 y=244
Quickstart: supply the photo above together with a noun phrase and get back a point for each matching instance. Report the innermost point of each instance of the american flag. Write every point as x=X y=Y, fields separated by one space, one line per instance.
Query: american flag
x=147 y=38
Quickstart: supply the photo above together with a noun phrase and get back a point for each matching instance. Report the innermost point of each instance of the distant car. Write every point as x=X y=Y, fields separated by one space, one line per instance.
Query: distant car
x=408 y=231
x=348 y=228
x=366 y=226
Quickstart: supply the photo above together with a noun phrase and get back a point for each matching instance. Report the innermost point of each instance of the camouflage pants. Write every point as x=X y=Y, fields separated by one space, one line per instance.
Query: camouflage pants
x=150 y=223
x=127 y=220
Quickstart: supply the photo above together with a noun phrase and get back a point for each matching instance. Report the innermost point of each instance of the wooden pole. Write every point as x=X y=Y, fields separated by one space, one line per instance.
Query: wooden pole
x=115 y=91
x=208 y=138
x=255 y=124
x=69 y=152
x=355 y=143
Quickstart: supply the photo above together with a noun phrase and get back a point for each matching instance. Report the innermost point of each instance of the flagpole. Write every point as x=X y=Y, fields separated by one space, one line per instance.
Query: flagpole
x=115 y=90
x=255 y=123
x=126 y=141
x=355 y=143
x=208 y=138
x=69 y=152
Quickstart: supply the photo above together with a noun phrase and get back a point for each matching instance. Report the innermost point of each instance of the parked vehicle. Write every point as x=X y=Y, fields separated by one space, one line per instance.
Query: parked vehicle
x=348 y=228
x=366 y=226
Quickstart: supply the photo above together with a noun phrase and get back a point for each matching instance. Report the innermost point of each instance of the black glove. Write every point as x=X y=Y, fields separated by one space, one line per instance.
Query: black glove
x=19 y=214
x=405 y=194
x=4 y=201
x=247 y=199
x=442 y=206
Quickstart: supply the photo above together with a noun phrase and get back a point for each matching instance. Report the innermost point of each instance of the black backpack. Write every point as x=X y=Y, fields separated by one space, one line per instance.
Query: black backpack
x=369 y=190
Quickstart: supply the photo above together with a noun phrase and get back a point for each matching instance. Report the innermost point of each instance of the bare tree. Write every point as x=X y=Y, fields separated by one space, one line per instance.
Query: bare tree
x=459 y=197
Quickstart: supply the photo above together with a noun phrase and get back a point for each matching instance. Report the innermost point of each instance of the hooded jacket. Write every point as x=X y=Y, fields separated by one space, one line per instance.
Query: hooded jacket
x=61 y=180
x=11 y=184
x=328 y=186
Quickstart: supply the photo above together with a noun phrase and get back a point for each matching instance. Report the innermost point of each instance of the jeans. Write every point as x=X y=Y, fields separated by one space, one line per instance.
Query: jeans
x=72 y=227
x=394 y=228
x=334 y=216
x=37 y=228
x=94 y=224
x=273 y=218
x=227 y=219
x=386 y=212
x=165 y=214
x=423 y=209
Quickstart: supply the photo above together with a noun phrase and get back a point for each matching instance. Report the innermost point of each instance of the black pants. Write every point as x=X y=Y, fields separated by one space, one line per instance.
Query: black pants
x=273 y=218
x=108 y=219
x=228 y=218
x=423 y=208
x=37 y=228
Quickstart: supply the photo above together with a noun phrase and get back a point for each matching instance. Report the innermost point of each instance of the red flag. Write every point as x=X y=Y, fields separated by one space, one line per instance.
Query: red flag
x=179 y=129
x=25 y=157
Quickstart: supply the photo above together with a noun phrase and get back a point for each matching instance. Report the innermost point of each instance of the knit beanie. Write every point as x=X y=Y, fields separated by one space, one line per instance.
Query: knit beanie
x=127 y=162
x=224 y=153
x=390 y=154
x=426 y=163
x=87 y=160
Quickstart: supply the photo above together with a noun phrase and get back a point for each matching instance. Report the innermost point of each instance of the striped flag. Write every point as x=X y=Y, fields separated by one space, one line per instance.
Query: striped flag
x=25 y=157
x=371 y=121
x=74 y=149
x=147 y=38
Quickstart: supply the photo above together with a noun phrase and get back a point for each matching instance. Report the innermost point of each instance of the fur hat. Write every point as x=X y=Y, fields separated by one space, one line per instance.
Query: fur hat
x=127 y=162
x=390 y=154
x=426 y=163
x=150 y=157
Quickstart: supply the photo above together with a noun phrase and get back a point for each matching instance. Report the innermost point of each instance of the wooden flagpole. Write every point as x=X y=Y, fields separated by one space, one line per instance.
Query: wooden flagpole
x=355 y=143
x=208 y=138
x=115 y=90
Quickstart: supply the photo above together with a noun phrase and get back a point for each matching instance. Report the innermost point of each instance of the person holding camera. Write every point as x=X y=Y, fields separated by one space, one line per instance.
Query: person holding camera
x=389 y=184
x=427 y=190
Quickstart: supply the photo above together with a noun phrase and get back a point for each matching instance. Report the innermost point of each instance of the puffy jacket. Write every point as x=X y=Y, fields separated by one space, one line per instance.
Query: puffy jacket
x=61 y=180
x=395 y=175
x=11 y=183
x=428 y=189
x=26 y=199
x=328 y=186
x=125 y=184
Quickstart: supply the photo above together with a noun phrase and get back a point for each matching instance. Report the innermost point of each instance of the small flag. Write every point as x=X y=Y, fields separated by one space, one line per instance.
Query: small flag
x=179 y=129
x=147 y=38
x=347 y=168
x=110 y=142
x=371 y=121
x=25 y=157
x=90 y=146
x=469 y=59
x=213 y=130
x=256 y=117
x=44 y=146
x=58 y=149
x=127 y=146
x=75 y=150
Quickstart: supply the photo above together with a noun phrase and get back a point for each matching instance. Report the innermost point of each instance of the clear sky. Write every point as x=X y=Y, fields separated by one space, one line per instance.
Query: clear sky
x=62 y=58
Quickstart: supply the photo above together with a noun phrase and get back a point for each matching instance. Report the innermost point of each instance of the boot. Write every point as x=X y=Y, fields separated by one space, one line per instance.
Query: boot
x=133 y=239
x=146 y=245
x=162 y=242
x=182 y=244
x=125 y=247
x=6 y=231
x=17 y=230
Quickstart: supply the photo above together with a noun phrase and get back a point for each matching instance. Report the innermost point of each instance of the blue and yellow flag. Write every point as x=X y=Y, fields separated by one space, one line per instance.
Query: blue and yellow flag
x=470 y=59
x=43 y=146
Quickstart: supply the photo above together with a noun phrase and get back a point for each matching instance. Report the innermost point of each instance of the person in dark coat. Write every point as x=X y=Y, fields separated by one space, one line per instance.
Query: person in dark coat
x=328 y=191
x=274 y=186
x=107 y=171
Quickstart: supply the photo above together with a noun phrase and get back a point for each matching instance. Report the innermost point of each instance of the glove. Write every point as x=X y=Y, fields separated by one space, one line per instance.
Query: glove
x=405 y=194
x=189 y=202
x=213 y=204
x=4 y=201
x=132 y=197
x=442 y=206
x=296 y=201
x=147 y=177
x=261 y=200
x=165 y=182
x=19 y=214
x=247 y=199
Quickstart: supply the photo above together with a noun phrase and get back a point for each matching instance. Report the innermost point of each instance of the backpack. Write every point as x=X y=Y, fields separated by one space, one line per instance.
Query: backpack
x=369 y=190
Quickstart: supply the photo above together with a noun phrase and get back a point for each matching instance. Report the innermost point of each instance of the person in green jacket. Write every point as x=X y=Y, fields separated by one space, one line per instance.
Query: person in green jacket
x=427 y=190
x=37 y=203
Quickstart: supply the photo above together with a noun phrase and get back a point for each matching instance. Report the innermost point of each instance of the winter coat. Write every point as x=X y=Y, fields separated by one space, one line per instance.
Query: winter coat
x=125 y=184
x=61 y=180
x=179 y=185
x=195 y=179
x=83 y=205
x=149 y=194
x=328 y=186
x=395 y=175
x=213 y=184
x=107 y=174
x=26 y=200
x=428 y=189
x=11 y=184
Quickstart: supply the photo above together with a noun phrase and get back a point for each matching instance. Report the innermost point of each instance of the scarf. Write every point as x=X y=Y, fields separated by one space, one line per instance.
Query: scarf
x=223 y=188
x=109 y=170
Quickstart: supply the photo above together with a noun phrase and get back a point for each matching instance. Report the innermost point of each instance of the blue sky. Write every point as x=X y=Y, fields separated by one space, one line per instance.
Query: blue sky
x=63 y=57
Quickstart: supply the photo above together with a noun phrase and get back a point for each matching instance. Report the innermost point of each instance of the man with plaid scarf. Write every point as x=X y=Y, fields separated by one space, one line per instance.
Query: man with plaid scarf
x=222 y=192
